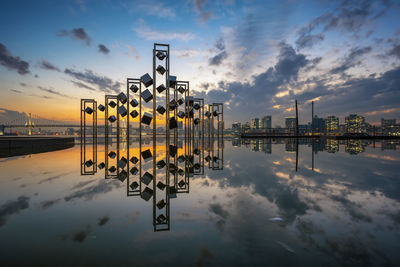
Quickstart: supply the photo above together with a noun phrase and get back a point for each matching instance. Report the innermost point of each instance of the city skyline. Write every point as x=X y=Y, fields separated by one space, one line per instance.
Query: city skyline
x=252 y=56
x=340 y=121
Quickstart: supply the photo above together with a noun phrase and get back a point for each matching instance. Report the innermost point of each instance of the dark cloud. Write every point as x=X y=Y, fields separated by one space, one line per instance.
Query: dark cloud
x=13 y=207
x=337 y=95
x=352 y=59
x=51 y=91
x=251 y=37
x=23 y=84
x=289 y=63
x=199 y=7
x=82 y=184
x=218 y=210
x=47 y=66
x=82 y=85
x=217 y=60
x=349 y=16
x=101 y=82
x=76 y=33
x=103 y=220
x=203 y=258
x=16 y=91
x=81 y=236
x=255 y=96
x=48 y=203
x=395 y=51
x=88 y=193
x=222 y=54
x=11 y=62
x=352 y=208
x=103 y=49
x=353 y=95
x=52 y=178
x=309 y=40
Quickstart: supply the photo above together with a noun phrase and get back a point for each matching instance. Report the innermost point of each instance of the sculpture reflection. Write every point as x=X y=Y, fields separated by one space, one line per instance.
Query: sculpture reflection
x=157 y=170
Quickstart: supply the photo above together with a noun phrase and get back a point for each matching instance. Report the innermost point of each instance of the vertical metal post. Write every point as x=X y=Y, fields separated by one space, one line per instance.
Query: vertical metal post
x=88 y=103
x=312 y=117
x=297 y=121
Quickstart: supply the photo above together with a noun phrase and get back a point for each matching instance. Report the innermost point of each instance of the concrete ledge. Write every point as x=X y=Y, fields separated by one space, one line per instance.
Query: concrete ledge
x=22 y=145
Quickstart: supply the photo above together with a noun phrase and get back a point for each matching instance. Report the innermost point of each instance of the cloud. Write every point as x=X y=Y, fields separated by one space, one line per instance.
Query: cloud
x=13 y=207
x=16 y=91
x=155 y=9
x=103 y=220
x=103 y=49
x=349 y=16
x=81 y=235
x=133 y=52
x=199 y=8
x=11 y=62
x=143 y=31
x=47 y=66
x=23 y=84
x=352 y=208
x=217 y=209
x=77 y=34
x=258 y=95
x=10 y=115
x=204 y=257
x=82 y=184
x=352 y=59
x=53 y=178
x=103 y=83
x=82 y=85
x=309 y=40
x=53 y=92
x=42 y=96
x=48 y=203
x=88 y=193
x=395 y=51
x=219 y=58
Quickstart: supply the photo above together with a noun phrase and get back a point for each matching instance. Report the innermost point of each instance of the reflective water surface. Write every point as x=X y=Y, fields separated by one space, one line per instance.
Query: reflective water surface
x=341 y=207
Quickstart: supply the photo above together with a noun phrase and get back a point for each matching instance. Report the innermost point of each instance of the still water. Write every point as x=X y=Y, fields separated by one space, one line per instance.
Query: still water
x=341 y=207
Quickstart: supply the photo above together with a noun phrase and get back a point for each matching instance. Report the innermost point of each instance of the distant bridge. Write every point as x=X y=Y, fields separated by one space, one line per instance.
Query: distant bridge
x=31 y=121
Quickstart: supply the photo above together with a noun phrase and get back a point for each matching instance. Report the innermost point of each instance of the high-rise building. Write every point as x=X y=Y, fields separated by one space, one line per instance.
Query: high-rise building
x=304 y=129
x=332 y=124
x=318 y=125
x=246 y=127
x=266 y=123
x=388 y=126
x=255 y=124
x=290 y=122
x=236 y=127
x=355 y=124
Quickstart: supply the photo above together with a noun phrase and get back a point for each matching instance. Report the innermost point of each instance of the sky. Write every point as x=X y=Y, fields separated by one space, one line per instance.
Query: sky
x=256 y=57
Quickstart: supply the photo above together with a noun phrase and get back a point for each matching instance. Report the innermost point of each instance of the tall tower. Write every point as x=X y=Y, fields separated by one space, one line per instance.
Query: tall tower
x=29 y=124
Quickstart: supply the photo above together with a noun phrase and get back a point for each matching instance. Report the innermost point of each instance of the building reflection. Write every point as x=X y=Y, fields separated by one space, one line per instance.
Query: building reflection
x=351 y=146
x=329 y=145
x=354 y=147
